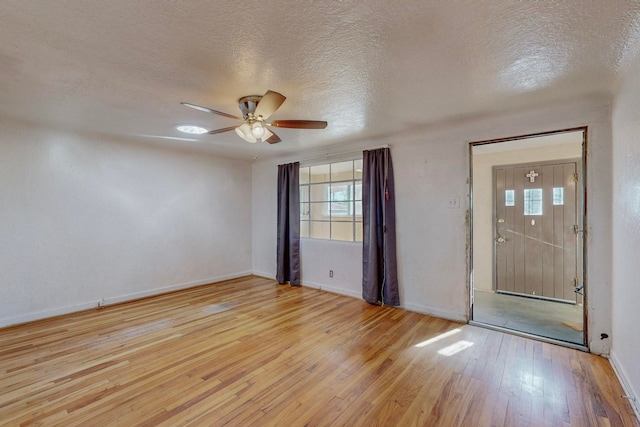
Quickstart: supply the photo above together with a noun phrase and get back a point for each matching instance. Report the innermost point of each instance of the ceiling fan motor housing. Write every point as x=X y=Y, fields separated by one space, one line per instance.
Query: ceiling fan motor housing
x=248 y=105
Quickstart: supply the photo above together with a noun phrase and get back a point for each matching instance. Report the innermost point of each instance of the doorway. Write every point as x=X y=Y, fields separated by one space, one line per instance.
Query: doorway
x=527 y=221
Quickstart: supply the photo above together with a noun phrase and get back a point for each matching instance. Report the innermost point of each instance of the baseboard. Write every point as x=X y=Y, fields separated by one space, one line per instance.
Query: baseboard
x=422 y=309
x=60 y=311
x=264 y=275
x=332 y=289
x=436 y=312
x=626 y=385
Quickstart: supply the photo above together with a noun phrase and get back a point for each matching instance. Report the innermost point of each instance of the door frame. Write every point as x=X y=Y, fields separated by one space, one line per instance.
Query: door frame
x=583 y=250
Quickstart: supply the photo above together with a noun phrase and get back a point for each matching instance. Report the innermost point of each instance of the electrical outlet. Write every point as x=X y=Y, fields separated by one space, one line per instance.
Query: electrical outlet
x=453 y=202
x=330 y=273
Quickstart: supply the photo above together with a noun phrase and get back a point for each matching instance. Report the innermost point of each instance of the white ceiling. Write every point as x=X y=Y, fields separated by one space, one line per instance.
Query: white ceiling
x=369 y=68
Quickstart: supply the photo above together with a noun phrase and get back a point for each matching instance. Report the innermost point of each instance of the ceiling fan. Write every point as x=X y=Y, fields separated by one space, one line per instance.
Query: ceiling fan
x=256 y=110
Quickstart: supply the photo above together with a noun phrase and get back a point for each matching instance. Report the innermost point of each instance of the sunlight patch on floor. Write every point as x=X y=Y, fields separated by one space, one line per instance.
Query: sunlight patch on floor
x=437 y=338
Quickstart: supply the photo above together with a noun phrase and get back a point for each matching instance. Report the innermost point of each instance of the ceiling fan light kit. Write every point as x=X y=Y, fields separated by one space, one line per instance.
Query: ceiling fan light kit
x=256 y=110
x=244 y=132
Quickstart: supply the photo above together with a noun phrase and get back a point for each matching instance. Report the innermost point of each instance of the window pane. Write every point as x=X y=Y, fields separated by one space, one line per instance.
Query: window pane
x=558 y=196
x=359 y=231
x=304 y=228
x=304 y=175
x=319 y=211
x=357 y=195
x=319 y=230
x=509 y=197
x=342 y=231
x=304 y=193
x=320 y=173
x=340 y=196
x=343 y=218
x=358 y=209
x=319 y=192
x=357 y=166
x=304 y=211
x=533 y=201
x=342 y=171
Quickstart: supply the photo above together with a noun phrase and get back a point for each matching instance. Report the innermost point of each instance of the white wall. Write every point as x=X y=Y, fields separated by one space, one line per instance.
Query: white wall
x=431 y=166
x=84 y=219
x=626 y=234
x=483 y=222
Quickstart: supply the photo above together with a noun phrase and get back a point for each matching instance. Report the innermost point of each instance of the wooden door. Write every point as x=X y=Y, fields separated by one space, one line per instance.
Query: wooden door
x=536 y=229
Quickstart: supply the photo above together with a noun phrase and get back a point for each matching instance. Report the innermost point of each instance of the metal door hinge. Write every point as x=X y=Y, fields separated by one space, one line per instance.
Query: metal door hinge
x=576 y=229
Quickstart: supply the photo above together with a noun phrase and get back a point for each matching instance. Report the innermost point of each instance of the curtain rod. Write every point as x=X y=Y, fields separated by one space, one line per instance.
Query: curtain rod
x=323 y=158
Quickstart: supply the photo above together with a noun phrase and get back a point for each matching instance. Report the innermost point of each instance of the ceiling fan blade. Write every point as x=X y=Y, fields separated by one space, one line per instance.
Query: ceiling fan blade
x=213 y=132
x=209 y=110
x=269 y=103
x=299 y=124
x=273 y=139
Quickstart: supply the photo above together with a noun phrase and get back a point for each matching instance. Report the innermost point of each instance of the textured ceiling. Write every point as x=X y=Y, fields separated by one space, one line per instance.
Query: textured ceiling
x=369 y=68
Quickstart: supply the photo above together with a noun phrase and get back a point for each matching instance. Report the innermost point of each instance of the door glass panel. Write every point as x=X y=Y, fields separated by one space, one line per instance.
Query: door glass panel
x=558 y=196
x=509 y=197
x=533 y=201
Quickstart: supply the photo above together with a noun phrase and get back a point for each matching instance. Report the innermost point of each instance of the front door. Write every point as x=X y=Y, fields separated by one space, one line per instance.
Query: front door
x=537 y=230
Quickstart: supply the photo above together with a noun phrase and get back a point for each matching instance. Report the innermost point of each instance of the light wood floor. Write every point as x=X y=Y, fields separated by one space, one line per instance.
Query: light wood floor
x=249 y=352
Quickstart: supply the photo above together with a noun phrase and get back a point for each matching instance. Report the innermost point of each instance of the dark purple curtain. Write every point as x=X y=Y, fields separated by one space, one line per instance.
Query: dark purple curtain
x=288 y=251
x=379 y=267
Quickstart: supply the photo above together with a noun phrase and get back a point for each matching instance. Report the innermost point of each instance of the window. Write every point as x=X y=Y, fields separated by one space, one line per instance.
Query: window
x=331 y=201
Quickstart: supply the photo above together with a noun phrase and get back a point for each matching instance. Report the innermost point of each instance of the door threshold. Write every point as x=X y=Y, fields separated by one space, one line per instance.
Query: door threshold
x=538 y=297
x=532 y=336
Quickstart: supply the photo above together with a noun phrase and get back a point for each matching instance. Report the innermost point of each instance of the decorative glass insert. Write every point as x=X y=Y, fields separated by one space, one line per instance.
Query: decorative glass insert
x=558 y=196
x=533 y=201
x=509 y=197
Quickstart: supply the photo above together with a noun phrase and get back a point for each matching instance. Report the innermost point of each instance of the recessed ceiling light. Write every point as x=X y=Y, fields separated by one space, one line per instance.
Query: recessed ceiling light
x=192 y=129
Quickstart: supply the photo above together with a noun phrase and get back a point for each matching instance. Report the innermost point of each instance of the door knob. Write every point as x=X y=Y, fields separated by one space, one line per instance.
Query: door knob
x=500 y=239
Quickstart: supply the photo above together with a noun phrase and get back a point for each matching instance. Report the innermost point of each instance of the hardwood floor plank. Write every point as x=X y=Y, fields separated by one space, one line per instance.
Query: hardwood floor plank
x=250 y=352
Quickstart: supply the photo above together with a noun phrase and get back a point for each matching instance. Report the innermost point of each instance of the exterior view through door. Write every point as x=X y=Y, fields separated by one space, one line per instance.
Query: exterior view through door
x=527 y=216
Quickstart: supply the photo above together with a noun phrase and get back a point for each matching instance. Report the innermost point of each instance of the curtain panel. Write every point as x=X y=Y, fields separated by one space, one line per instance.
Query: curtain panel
x=288 y=249
x=379 y=266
